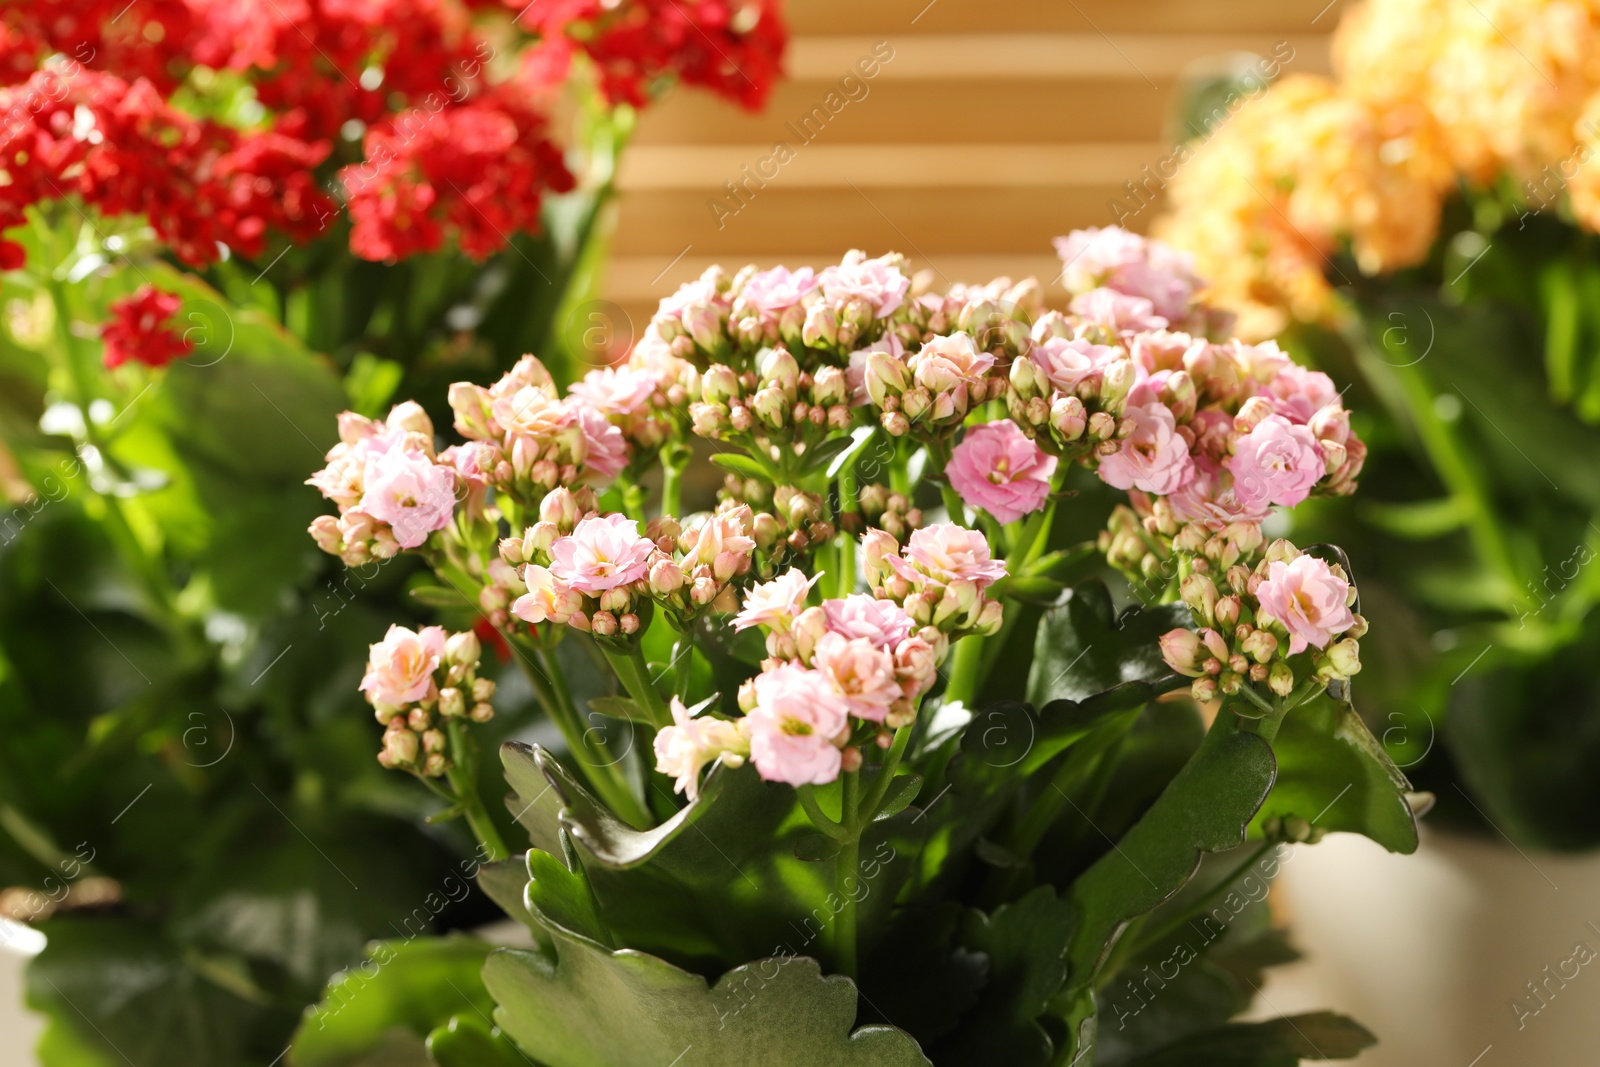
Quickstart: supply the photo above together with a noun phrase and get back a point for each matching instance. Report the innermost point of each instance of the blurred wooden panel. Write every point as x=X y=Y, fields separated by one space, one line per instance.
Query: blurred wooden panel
x=809 y=17
x=993 y=128
x=1009 y=57
x=701 y=169
x=920 y=113
x=826 y=222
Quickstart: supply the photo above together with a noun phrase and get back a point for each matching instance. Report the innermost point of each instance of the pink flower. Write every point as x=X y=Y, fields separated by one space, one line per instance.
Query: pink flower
x=1160 y=350
x=602 y=552
x=916 y=664
x=1117 y=310
x=1070 y=362
x=547 y=599
x=876 y=281
x=409 y=491
x=775 y=604
x=775 y=291
x=949 y=365
x=1308 y=599
x=1261 y=363
x=605 y=448
x=1298 y=394
x=532 y=411
x=1276 y=463
x=882 y=622
x=1209 y=498
x=997 y=468
x=1153 y=457
x=400 y=667
x=1114 y=258
x=722 y=542
x=703 y=290
x=862 y=674
x=797 y=715
x=948 y=553
x=691 y=742
x=615 y=391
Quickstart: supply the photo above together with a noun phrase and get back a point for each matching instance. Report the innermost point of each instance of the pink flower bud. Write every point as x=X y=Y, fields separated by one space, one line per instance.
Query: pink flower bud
x=1067 y=416
x=896 y=424
x=776 y=367
x=324 y=530
x=481 y=713
x=603 y=623
x=463 y=649
x=629 y=623
x=821 y=329
x=1200 y=593
x=452 y=703
x=704 y=324
x=719 y=384
x=830 y=387
x=666 y=578
x=1182 y=651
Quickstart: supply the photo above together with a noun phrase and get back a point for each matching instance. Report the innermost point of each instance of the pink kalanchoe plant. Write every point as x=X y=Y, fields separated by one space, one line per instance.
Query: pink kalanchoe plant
x=826 y=394
x=878 y=578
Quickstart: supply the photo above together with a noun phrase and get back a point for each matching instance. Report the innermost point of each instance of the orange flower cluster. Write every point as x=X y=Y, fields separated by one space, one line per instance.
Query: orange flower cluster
x=1428 y=94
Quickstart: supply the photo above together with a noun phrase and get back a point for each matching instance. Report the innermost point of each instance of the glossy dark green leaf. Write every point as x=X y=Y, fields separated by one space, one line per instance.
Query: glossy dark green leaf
x=1083 y=647
x=1206 y=808
x=1026 y=943
x=127 y=993
x=1332 y=772
x=584 y=1006
x=1282 y=1042
x=412 y=986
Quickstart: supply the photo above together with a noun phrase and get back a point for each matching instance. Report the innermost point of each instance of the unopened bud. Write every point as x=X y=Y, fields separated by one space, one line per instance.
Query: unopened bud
x=1280 y=679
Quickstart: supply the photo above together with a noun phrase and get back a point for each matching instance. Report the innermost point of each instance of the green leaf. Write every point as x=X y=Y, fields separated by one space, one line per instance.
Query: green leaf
x=860 y=438
x=1332 y=772
x=1282 y=1042
x=582 y=1006
x=824 y=453
x=468 y=1041
x=412 y=985
x=813 y=848
x=901 y=792
x=1421 y=520
x=127 y=992
x=715 y=885
x=1084 y=647
x=744 y=466
x=1026 y=943
x=620 y=707
x=1205 y=808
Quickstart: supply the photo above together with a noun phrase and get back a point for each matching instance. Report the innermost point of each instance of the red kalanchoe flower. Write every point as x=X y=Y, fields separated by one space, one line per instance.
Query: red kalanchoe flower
x=125 y=151
x=732 y=47
x=138 y=329
x=478 y=171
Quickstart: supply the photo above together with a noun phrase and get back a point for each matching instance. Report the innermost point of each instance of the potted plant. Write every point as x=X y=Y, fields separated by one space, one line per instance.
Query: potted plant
x=865 y=761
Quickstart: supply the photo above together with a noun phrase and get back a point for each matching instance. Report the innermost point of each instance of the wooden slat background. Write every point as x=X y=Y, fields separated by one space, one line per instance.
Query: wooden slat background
x=995 y=127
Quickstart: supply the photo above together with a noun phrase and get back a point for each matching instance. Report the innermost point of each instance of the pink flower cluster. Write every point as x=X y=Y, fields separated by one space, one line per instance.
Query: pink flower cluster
x=587 y=570
x=1287 y=604
x=540 y=439
x=414 y=679
x=940 y=577
x=851 y=659
x=391 y=489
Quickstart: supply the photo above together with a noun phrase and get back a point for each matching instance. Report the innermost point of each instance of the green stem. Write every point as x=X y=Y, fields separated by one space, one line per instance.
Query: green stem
x=846 y=876
x=674 y=460
x=880 y=784
x=463 y=778
x=633 y=500
x=600 y=767
x=818 y=817
x=635 y=677
x=966 y=661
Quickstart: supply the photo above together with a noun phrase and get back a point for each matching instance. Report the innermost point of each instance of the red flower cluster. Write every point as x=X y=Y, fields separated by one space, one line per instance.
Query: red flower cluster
x=732 y=47
x=122 y=149
x=476 y=170
x=448 y=153
x=138 y=329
